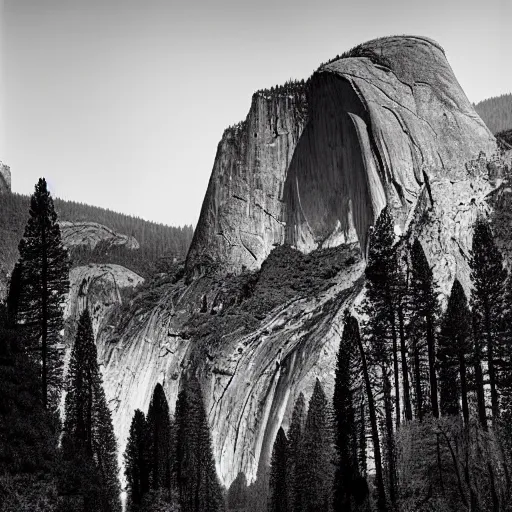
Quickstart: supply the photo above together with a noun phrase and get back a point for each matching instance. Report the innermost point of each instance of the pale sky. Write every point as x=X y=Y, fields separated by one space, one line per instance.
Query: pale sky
x=121 y=103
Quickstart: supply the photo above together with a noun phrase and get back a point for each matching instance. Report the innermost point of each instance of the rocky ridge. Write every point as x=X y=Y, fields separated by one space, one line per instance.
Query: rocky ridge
x=90 y=234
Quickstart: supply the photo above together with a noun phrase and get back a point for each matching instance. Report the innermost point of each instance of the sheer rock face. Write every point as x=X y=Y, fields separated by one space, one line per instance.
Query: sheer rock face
x=389 y=125
x=90 y=234
x=242 y=214
x=382 y=124
x=5 y=178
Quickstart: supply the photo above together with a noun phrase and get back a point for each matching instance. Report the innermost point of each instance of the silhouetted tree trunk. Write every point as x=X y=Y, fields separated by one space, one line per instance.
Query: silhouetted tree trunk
x=381 y=492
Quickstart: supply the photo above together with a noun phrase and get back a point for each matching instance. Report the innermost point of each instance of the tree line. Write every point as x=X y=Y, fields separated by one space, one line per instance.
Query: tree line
x=156 y=240
x=496 y=112
x=170 y=461
x=422 y=405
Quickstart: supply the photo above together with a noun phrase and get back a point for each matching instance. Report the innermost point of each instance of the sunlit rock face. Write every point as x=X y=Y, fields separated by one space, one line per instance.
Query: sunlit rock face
x=381 y=123
x=389 y=125
x=242 y=214
x=90 y=234
x=99 y=288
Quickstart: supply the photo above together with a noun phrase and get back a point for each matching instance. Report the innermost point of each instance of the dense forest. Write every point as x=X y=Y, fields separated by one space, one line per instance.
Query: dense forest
x=156 y=240
x=496 y=112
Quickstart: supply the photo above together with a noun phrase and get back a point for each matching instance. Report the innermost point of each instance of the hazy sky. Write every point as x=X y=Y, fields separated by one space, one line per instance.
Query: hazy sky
x=121 y=103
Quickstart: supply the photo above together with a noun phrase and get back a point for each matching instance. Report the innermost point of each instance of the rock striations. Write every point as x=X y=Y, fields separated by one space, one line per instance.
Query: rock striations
x=242 y=215
x=90 y=234
x=386 y=124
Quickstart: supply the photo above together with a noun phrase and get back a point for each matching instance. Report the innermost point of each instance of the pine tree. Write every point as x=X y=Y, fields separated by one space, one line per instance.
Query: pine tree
x=278 y=474
x=455 y=351
x=159 y=437
x=345 y=425
x=136 y=461
x=88 y=435
x=295 y=436
x=382 y=285
x=198 y=486
x=43 y=287
x=315 y=463
x=424 y=310
x=488 y=276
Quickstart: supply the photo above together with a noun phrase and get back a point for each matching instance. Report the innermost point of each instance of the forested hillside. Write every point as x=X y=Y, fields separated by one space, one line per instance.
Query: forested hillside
x=496 y=112
x=156 y=240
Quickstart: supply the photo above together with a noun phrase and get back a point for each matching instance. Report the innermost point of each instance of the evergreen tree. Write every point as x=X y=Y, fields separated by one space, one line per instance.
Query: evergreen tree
x=295 y=436
x=236 y=498
x=315 y=463
x=88 y=438
x=198 y=486
x=454 y=353
x=42 y=290
x=136 y=461
x=383 y=280
x=345 y=425
x=380 y=307
x=424 y=310
x=488 y=276
x=278 y=470
x=159 y=436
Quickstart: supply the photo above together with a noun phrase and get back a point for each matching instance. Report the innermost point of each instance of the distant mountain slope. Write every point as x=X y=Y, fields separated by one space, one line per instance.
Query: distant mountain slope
x=496 y=112
x=156 y=240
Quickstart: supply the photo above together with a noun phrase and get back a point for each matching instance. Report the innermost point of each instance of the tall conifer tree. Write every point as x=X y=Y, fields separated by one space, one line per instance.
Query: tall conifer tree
x=488 y=275
x=382 y=284
x=43 y=286
x=455 y=352
x=315 y=464
x=159 y=438
x=88 y=434
x=198 y=486
x=424 y=310
x=278 y=499
x=295 y=436
x=345 y=425
x=136 y=461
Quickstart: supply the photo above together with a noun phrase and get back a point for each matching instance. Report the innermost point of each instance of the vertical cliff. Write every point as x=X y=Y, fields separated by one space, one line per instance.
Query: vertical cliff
x=385 y=120
x=242 y=214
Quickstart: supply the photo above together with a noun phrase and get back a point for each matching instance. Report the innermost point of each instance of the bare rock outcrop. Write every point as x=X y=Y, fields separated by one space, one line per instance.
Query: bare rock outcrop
x=99 y=288
x=90 y=234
